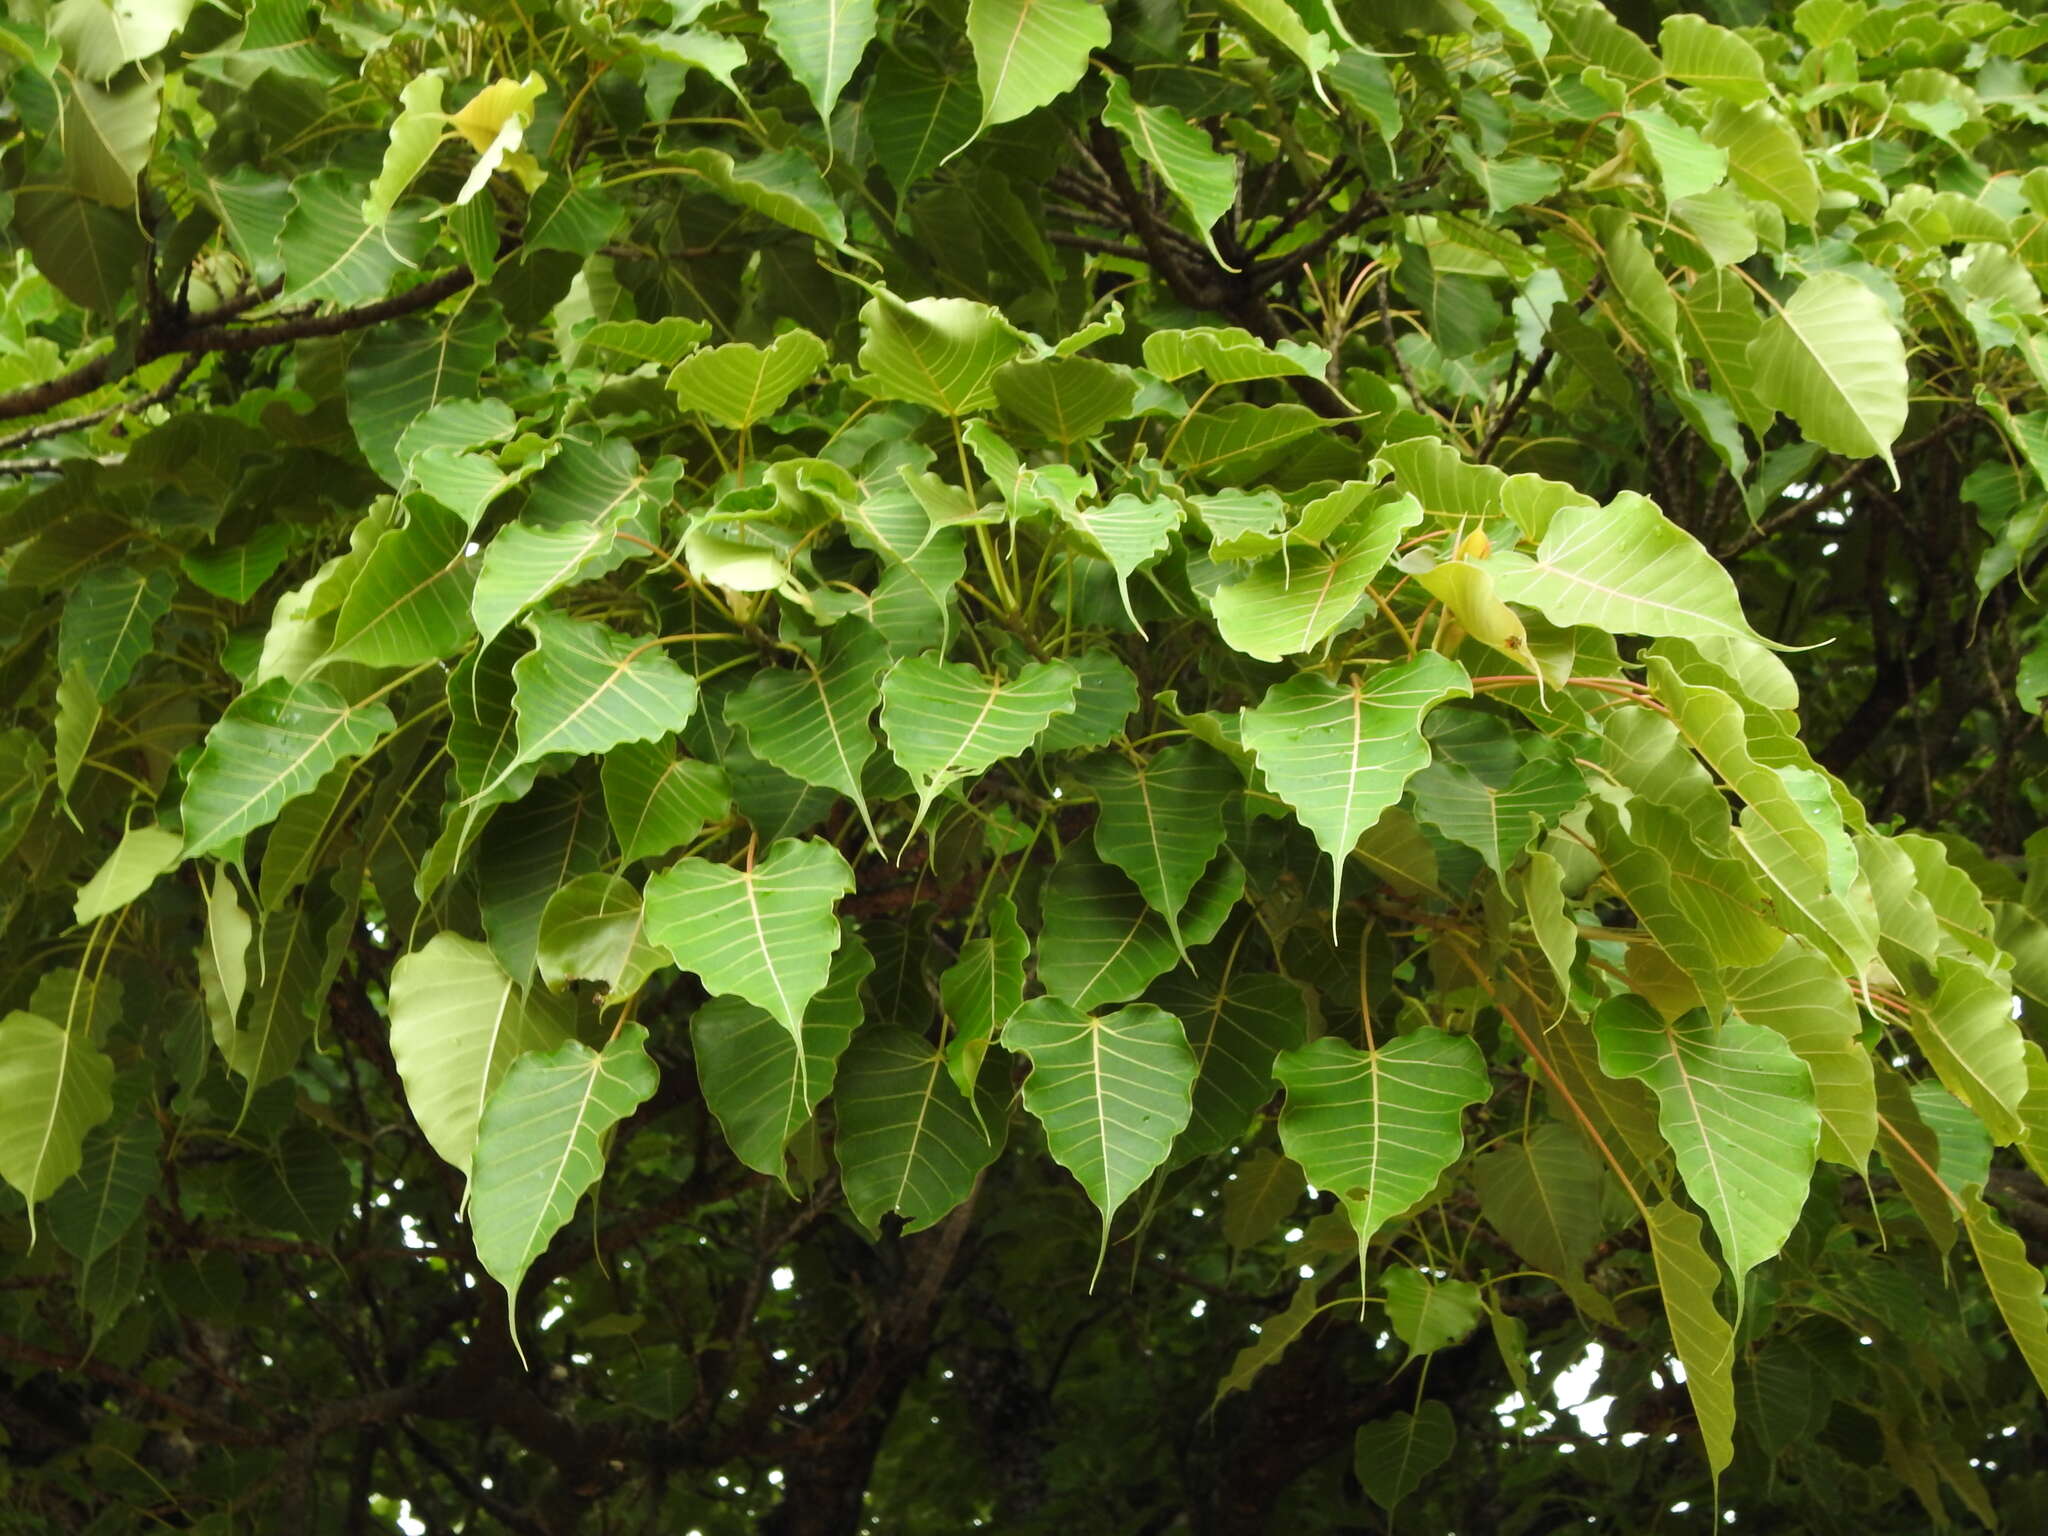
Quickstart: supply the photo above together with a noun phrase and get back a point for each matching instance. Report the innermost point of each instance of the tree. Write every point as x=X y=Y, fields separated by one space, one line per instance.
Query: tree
x=1177 y=748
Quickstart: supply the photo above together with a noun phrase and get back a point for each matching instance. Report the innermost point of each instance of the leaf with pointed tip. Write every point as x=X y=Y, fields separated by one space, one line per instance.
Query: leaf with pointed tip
x=1737 y=1106
x=292 y=956
x=811 y=721
x=1261 y=1195
x=532 y=848
x=109 y=624
x=783 y=185
x=821 y=42
x=1103 y=703
x=1832 y=360
x=908 y=1142
x=1111 y=1091
x=1625 y=568
x=748 y=1064
x=1101 y=943
x=404 y=368
x=410 y=602
x=766 y=933
x=2013 y=1279
x=1238 y=1018
x=1395 y=1455
x=1340 y=753
x=1202 y=177
x=591 y=930
x=1974 y=1044
x=1129 y=532
x=739 y=384
x=1803 y=998
x=1379 y=1127
x=238 y=571
x=1542 y=1193
x=1704 y=1342
x=1028 y=53
x=982 y=989
x=540 y=1144
x=458 y=1022
x=273 y=743
x=142 y=854
x=1160 y=821
x=947 y=720
x=943 y=353
x=587 y=688
x=55 y=1084
x=657 y=801
x=1496 y=823
x=415 y=133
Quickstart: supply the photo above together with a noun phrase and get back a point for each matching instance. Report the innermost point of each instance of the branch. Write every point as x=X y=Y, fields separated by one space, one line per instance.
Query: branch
x=211 y=333
x=58 y=428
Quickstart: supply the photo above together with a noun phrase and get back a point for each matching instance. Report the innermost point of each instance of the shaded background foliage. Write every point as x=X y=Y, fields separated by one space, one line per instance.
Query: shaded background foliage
x=459 y=458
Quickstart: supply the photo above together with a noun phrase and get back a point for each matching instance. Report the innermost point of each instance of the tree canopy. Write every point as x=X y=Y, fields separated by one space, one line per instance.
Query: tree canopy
x=842 y=765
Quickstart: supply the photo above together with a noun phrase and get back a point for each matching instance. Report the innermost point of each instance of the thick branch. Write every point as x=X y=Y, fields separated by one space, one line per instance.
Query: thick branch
x=210 y=332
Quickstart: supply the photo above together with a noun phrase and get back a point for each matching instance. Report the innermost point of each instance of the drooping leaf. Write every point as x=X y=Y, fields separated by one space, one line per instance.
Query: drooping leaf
x=1161 y=821
x=55 y=1083
x=1378 y=1127
x=109 y=620
x=811 y=721
x=1394 y=1455
x=592 y=929
x=738 y=384
x=981 y=990
x=1101 y=942
x=1737 y=1106
x=274 y=743
x=1194 y=171
x=658 y=801
x=458 y=1022
x=822 y=42
x=131 y=869
x=1704 y=1342
x=946 y=720
x=908 y=1141
x=1832 y=360
x=1238 y=1018
x=1112 y=1091
x=117 y=1173
x=410 y=602
x=540 y=1144
x=1429 y=1314
x=1028 y=52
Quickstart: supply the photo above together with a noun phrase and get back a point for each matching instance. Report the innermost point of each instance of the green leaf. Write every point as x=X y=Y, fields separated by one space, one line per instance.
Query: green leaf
x=1112 y=1092
x=1238 y=1018
x=1263 y=1192
x=1378 y=1127
x=908 y=1142
x=748 y=1064
x=2013 y=1279
x=1160 y=821
x=1805 y=999
x=947 y=720
x=657 y=801
x=739 y=384
x=1974 y=1044
x=1713 y=58
x=1395 y=1455
x=415 y=134
x=943 y=353
x=1497 y=823
x=1542 y=1193
x=1232 y=445
x=237 y=572
x=1737 y=1106
x=298 y=1185
x=1687 y=165
x=331 y=252
x=56 y=1086
x=1292 y=601
x=1030 y=52
x=782 y=185
x=142 y=855
x=1102 y=943
x=1427 y=1315
x=1192 y=169
x=1766 y=158
x=1704 y=1342
x=812 y=721
x=410 y=602
x=117 y=1173
x=981 y=990
x=1624 y=568
x=108 y=136
x=527 y=854
x=1130 y=532
x=293 y=956
x=1832 y=360
x=401 y=370
x=109 y=624
x=766 y=933
x=525 y=563
x=540 y=1144
x=1230 y=356
x=586 y=688
x=591 y=930
x=1068 y=399
x=1340 y=753
x=1277 y=20
x=821 y=41
x=628 y=344
x=101 y=37
x=273 y=743
x=917 y=120
x=458 y=1022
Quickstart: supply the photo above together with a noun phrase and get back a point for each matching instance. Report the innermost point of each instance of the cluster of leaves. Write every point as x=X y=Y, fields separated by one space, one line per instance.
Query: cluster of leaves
x=953 y=587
